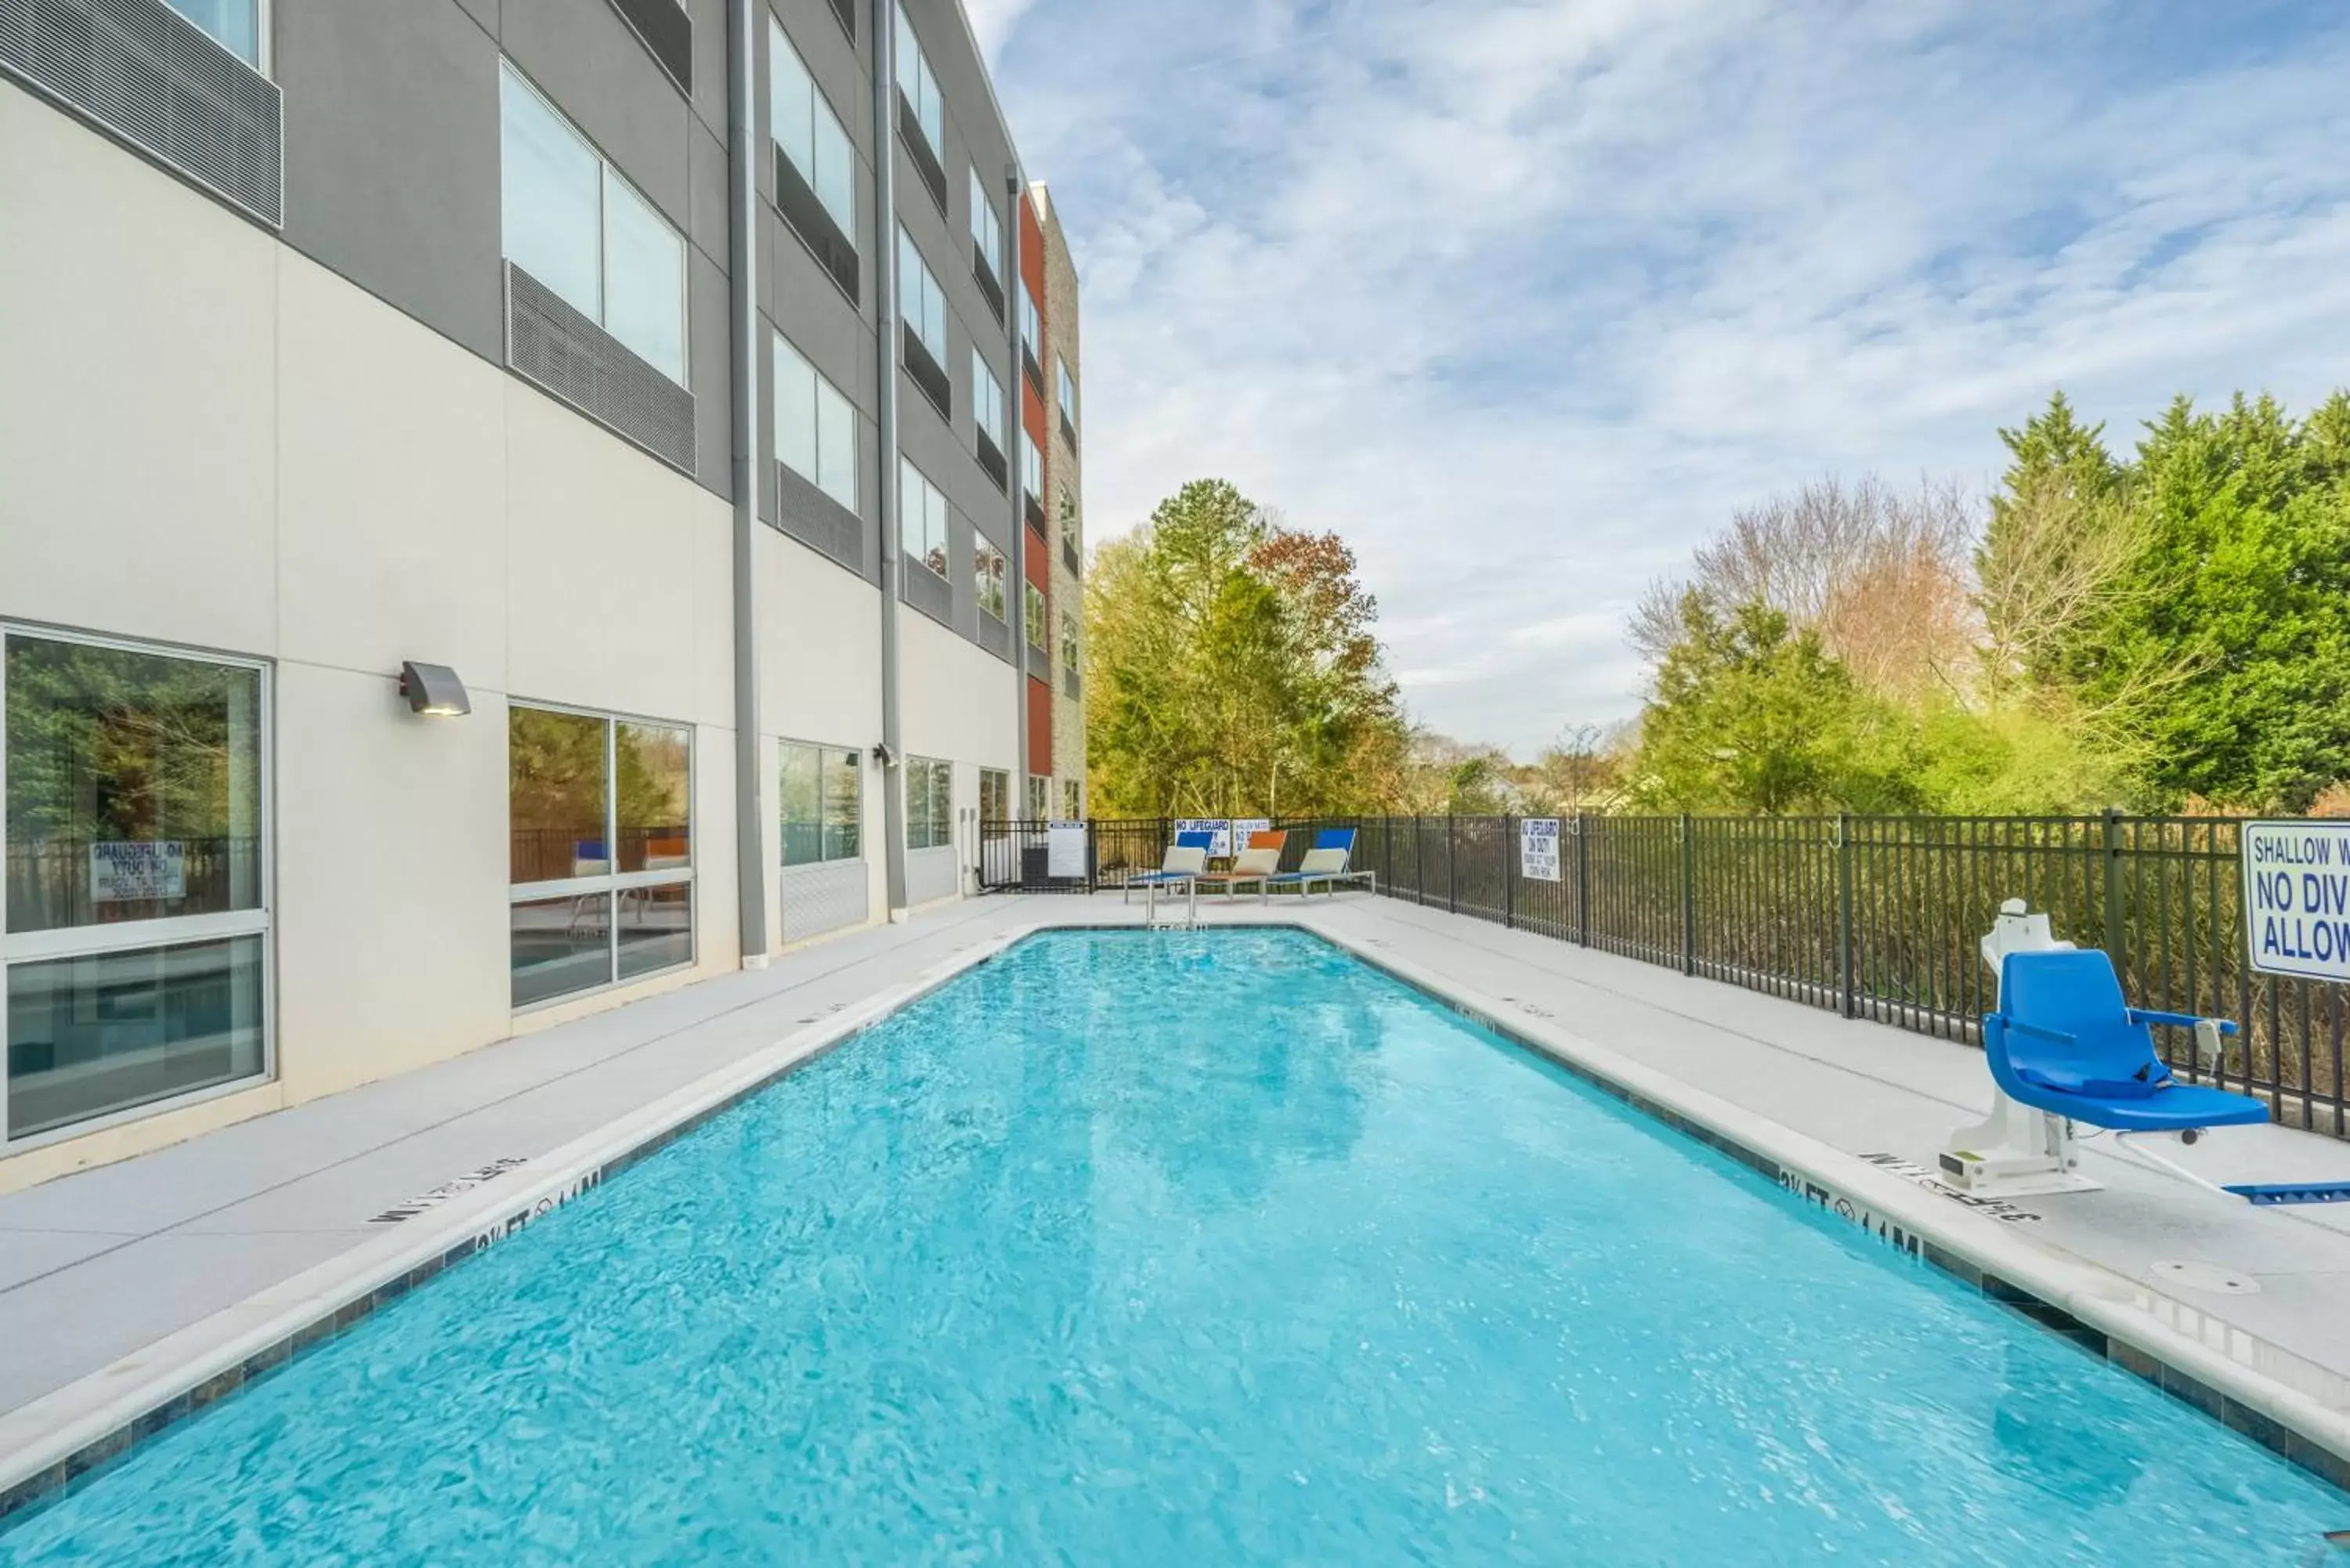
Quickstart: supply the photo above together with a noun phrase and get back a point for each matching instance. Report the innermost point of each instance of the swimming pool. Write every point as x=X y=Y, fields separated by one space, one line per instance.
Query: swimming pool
x=1216 y=1247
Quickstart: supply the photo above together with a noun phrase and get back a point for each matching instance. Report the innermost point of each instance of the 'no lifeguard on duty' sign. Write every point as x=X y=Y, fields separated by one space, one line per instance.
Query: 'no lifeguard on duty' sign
x=2297 y=898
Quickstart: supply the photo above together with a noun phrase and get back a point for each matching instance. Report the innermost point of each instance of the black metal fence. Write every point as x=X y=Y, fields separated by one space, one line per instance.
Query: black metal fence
x=1873 y=916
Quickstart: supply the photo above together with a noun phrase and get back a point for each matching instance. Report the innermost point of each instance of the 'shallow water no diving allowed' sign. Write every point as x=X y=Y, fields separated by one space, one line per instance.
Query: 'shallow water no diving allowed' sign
x=2297 y=898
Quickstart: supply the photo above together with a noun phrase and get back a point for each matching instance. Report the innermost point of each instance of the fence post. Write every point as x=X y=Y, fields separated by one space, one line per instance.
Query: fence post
x=1844 y=1002
x=2112 y=823
x=1689 y=894
x=1419 y=861
x=1583 y=879
x=1452 y=869
x=1509 y=876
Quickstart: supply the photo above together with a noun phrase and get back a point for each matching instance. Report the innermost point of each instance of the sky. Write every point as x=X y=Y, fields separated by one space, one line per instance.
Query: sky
x=1524 y=299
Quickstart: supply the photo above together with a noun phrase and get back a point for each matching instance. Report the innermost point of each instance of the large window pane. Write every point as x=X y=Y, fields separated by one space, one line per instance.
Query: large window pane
x=655 y=796
x=560 y=946
x=644 y=279
x=105 y=1032
x=234 y=25
x=941 y=803
x=791 y=93
x=556 y=795
x=134 y=785
x=552 y=198
x=836 y=444
x=801 y=790
x=835 y=175
x=921 y=88
x=796 y=415
x=656 y=928
x=843 y=804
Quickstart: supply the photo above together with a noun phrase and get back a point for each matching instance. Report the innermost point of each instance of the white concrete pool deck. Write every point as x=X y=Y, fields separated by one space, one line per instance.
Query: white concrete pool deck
x=96 y=1265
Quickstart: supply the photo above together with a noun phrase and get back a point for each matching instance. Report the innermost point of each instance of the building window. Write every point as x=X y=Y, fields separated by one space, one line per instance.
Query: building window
x=1069 y=539
x=1040 y=798
x=987 y=401
x=823 y=804
x=986 y=229
x=810 y=134
x=1068 y=640
x=136 y=948
x=599 y=814
x=921 y=518
x=1032 y=328
x=572 y=222
x=921 y=88
x=920 y=302
x=994 y=795
x=1072 y=801
x=234 y=25
x=1035 y=616
x=816 y=428
x=987 y=578
x=1032 y=473
x=1069 y=391
x=929 y=803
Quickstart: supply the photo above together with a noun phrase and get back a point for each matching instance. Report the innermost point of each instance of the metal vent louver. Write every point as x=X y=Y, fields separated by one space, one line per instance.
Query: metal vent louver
x=819 y=522
x=159 y=82
x=927 y=591
x=995 y=637
x=590 y=368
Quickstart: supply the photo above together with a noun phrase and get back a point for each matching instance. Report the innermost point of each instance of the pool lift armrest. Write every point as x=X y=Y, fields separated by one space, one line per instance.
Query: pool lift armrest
x=2206 y=1032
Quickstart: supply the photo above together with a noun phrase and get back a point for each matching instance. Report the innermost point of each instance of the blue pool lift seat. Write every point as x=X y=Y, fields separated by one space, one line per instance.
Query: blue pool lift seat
x=2065 y=1042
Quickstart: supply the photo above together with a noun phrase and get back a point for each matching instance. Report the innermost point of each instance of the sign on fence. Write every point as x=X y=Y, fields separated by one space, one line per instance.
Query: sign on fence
x=1221 y=827
x=2297 y=898
x=1538 y=849
x=1244 y=825
x=1065 y=850
x=129 y=873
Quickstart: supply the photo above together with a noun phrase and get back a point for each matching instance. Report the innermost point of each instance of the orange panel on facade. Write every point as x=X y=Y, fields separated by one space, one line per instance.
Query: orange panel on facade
x=1040 y=728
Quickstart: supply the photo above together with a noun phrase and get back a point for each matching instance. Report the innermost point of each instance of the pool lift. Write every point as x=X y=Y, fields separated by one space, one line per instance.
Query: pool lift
x=2064 y=1047
x=2020 y=1151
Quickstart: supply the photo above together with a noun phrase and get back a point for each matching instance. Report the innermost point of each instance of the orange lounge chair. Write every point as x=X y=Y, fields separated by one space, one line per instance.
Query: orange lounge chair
x=1260 y=860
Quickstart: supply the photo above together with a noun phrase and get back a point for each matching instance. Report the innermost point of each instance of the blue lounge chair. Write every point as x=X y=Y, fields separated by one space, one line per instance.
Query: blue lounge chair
x=1324 y=863
x=1186 y=859
x=2065 y=1042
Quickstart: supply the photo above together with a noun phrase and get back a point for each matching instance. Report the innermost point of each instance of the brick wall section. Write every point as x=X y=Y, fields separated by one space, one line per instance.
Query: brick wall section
x=1065 y=494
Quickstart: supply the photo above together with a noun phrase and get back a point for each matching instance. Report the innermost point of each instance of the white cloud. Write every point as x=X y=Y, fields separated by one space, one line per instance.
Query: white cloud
x=1522 y=299
x=993 y=21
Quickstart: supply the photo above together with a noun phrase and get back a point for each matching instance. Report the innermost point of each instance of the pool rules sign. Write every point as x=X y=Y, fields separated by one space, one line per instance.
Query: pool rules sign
x=1538 y=849
x=2297 y=898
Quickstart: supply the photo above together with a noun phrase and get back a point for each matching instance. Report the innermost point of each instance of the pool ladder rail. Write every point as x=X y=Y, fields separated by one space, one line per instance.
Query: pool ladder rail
x=1183 y=917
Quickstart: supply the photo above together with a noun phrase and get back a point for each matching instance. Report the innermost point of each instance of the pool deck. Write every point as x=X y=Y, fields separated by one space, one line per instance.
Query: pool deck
x=96 y=1265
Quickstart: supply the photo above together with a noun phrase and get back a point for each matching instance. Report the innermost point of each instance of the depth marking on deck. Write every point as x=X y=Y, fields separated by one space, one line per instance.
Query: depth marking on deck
x=445 y=1191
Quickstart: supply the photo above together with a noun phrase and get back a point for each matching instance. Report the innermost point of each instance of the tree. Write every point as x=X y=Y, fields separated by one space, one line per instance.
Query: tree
x=1879 y=574
x=1752 y=714
x=1232 y=668
x=1582 y=771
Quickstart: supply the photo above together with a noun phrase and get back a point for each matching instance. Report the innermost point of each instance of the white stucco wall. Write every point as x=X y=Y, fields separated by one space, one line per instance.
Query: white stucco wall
x=208 y=441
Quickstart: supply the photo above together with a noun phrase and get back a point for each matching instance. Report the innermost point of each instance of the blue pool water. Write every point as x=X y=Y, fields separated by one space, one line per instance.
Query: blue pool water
x=1199 y=1249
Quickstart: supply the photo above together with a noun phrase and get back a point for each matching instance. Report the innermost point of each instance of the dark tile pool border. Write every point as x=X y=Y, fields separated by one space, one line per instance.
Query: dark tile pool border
x=65 y=1477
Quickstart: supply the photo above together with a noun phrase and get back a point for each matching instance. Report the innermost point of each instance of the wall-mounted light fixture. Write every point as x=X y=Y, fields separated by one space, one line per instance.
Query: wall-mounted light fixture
x=433 y=690
x=881 y=757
